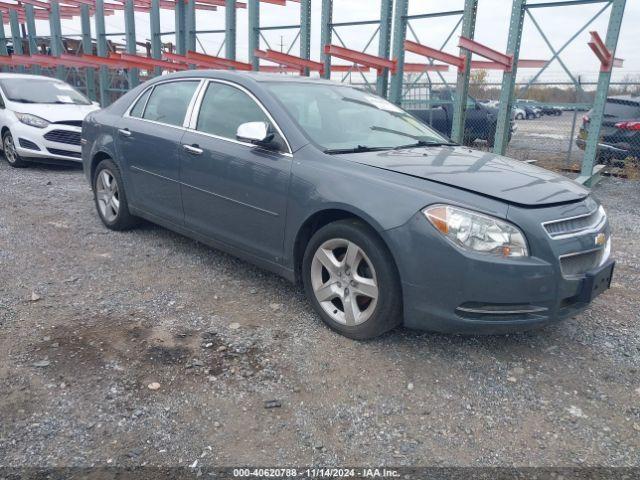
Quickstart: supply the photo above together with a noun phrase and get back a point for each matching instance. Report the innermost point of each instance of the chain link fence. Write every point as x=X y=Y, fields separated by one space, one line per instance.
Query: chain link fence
x=549 y=121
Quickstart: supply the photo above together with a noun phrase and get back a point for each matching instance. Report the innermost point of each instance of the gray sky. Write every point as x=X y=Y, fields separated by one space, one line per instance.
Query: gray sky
x=559 y=24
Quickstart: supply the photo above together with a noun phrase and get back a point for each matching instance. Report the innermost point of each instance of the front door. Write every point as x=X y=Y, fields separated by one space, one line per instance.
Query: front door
x=150 y=148
x=231 y=190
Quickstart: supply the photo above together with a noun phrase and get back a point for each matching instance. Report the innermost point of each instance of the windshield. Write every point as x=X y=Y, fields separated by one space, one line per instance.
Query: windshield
x=342 y=118
x=27 y=90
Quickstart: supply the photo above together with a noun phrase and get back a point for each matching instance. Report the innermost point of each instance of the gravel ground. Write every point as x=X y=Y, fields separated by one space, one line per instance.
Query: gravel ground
x=247 y=373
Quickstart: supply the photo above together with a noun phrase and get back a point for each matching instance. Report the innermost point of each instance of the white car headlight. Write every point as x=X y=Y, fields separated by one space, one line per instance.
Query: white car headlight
x=32 y=120
x=477 y=232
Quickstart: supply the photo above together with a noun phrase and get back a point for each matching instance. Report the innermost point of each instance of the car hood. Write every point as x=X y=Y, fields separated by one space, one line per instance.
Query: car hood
x=55 y=112
x=485 y=173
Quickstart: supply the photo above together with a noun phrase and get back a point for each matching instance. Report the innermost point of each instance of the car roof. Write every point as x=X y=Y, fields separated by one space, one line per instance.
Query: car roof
x=27 y=75
x=629 y=98
x=255 y=76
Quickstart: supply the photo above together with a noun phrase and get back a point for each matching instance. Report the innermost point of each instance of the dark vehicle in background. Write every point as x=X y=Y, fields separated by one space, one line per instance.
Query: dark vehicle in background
x=382 y=220
x=480 y=121
x=620 y=132
x=551 y=110
x=532 y=111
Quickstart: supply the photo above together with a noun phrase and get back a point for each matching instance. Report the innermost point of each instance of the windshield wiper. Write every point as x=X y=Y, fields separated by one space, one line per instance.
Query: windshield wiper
x=21 y=100
x=357 y=149
x=424 y=143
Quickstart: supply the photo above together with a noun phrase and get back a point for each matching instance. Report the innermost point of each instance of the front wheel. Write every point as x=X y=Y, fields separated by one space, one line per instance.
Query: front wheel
x=10 y=152
x=110 y=197
x=351 y=280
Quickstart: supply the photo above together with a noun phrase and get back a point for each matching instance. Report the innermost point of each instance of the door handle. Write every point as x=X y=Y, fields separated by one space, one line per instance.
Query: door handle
x=124 y=131
x=193 y=149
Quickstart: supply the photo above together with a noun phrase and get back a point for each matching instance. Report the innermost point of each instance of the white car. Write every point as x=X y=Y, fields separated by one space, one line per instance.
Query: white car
x=519 y=113
x=41 y=119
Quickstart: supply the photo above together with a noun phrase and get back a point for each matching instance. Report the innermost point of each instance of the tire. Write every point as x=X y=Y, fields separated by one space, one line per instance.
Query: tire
x=373 y=265
x=519 y=117
x=108 y=186
x=10 y=154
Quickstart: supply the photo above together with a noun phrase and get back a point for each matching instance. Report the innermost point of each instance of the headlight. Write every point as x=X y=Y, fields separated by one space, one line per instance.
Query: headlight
x=32 y=120
x=477 y=232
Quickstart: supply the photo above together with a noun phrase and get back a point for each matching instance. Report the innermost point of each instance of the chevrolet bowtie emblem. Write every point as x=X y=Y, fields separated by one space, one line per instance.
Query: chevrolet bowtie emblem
x=601 y=239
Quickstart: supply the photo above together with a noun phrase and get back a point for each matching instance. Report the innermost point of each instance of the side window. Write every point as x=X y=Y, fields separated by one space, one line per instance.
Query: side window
x=136 y=111
x=224 y=108
x=168 y=102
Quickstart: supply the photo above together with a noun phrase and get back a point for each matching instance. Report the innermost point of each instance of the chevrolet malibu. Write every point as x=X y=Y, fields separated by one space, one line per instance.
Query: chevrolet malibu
x=40 y=119
x=382 y=220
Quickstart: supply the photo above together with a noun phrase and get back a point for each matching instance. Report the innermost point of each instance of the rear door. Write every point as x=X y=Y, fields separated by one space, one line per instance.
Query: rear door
x=234 y=191
x=149 y=144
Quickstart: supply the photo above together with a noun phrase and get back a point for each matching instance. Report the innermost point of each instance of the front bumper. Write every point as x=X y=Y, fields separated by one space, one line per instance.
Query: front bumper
x=448 y=290
x=31 y=144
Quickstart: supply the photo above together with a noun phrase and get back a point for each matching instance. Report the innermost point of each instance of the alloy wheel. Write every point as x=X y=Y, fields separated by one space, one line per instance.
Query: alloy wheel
x=344 y=281
x=10 y=149
x=107 y=195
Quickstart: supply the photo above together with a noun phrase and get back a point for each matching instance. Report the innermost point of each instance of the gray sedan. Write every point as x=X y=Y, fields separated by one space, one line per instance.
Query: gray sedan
x=383 y=220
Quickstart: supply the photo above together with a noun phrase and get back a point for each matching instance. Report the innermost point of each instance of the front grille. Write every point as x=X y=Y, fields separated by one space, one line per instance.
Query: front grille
x=73 y=123
x=24 y=143
x=63 y=136
x=580 y=263
x=576 y=225
x=64 y=153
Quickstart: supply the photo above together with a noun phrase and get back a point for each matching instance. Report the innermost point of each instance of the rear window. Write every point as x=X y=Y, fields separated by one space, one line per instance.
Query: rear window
x=168 y=102
x=622 y=108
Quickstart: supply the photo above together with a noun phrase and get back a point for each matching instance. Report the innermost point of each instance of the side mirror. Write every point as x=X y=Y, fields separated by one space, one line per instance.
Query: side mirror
x=254 y=132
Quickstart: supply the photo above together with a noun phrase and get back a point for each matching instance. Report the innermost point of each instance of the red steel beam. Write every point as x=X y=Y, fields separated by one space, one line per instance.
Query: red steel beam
x=218 y=61
x=146 y=63
x=360 y=58
x=221 y=3
x=289 y=60
x=607 y=60
x=424 y=67
x=486 y=65
x=439 y=55
x=486 y=52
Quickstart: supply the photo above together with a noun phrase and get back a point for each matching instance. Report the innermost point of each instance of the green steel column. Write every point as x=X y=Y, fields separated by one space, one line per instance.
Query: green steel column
x=55 y=42
x=181 y=47
x=230 y=29
x=591 y=149
x=3 y=42
x=254 y=32
x=87 y=48
x=16 y=39
x=31 y=33
x=507 y=93
x=326 y=34
x=462 y=84
x=305 y=31
x=190 y=29
x=154 y=26
x=399 y=36
x=130 y=37
x=384 y=44
x=101 y=44
x=3 y=37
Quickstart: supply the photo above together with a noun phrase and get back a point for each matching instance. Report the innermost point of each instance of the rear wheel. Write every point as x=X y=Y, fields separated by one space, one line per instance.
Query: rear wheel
x=10 y=153
x=110 y=197
x=351 y=280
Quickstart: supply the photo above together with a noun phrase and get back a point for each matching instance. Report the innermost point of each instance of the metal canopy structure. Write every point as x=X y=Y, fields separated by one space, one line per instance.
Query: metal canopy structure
x=105 y=69
x=519 y=10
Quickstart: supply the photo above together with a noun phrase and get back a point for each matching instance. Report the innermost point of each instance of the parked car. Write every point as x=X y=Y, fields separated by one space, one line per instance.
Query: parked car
x=529 y=111
x=620 y=132
x=519 y=113
x=480 y=122
x=381 y=218
x=40 y=119
x=551 y=110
